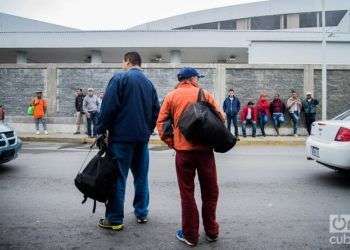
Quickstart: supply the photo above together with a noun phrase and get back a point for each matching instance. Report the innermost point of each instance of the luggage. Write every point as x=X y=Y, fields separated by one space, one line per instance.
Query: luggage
x=97 y=180
x=201 y=124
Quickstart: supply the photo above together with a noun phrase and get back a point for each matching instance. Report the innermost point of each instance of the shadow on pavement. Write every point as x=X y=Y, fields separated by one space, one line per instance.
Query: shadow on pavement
x=6 y=169
x=340 y=179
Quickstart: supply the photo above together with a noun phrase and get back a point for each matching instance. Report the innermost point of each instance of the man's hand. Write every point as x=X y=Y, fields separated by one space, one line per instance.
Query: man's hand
x=87 y=114
x=101 y=141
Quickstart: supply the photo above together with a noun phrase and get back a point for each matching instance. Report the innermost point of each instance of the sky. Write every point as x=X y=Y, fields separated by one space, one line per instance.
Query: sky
x=106 y=14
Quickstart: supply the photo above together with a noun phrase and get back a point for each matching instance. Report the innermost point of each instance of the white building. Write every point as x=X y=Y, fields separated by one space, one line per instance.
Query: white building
x=267 y=32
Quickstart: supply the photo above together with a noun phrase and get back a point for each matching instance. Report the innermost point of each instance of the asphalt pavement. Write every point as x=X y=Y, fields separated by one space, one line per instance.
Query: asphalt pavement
x=271 y=197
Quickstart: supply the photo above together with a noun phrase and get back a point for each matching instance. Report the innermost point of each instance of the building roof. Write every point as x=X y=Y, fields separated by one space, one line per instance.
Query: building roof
x=11 y=23
x=263 y=8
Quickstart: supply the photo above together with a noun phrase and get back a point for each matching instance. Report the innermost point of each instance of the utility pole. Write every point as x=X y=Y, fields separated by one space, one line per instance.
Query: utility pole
x=324 y=64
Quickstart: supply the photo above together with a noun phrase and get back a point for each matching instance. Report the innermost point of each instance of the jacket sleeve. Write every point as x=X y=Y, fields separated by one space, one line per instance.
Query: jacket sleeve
x=316 y=102
x=163 y=116
x=270 y=108
x=76 y=104
x=238 y=105
x=155 y=109
x=224 y=106
x=110 y=105
x=85 y=105
x=242 y=115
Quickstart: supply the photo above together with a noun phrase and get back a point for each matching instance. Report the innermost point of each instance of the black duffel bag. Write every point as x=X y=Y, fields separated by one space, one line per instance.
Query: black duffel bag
x=98 y=179
x=200 y=123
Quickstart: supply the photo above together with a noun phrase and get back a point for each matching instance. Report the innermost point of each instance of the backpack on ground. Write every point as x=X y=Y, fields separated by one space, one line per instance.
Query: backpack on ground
x=201 y=124
x=97 y=180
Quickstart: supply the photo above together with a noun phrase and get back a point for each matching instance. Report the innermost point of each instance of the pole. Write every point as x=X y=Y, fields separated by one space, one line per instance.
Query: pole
x=324 y=65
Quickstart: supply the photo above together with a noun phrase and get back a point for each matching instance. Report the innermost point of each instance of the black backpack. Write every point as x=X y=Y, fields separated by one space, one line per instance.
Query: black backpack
x=201 y=124
x=97 y=180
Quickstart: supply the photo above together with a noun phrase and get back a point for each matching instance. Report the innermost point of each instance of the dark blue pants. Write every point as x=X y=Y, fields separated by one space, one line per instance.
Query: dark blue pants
x=263 y=119
x=92 y=121
x=232 y=119
x=133 y=156
x=295 y=119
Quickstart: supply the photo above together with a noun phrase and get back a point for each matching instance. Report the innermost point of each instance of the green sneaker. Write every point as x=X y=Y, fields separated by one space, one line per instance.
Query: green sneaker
x=105 y=224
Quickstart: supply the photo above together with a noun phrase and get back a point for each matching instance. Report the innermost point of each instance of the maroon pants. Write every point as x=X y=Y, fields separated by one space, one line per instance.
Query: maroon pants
x=187 y=162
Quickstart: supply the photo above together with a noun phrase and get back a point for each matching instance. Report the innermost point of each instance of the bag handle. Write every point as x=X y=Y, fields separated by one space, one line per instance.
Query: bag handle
x=201 y=96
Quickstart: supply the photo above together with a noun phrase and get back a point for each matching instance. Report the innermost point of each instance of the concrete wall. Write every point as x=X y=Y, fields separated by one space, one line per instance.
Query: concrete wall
x=283 y=52
x=59 y=81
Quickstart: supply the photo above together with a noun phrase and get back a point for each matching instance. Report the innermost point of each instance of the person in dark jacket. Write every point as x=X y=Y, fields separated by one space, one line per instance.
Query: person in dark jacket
x=309 y=106
x=79 y=97
x=277 y=109
x=231 y=108
x=249 y=115
x=129 y=112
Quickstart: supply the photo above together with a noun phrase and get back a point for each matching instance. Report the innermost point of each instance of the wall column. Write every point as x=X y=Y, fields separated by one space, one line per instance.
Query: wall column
x=96 y=56
x=51 y=90
x=309 y=84
x=220 y=83
x=21 y=57
x=175 y=56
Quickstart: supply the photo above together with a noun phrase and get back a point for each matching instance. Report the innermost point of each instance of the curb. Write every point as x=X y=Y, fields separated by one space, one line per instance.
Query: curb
x=157 y=142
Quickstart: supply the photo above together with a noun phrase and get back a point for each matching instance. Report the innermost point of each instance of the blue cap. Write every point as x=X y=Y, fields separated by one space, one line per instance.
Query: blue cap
x=188 y=72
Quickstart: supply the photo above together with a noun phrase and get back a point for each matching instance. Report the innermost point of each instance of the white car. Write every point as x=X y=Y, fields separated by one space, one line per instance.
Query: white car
x=10 y=144
x=329 y=143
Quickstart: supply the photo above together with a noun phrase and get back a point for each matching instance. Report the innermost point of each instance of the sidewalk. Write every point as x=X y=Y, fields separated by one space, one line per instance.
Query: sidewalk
x=81 y=139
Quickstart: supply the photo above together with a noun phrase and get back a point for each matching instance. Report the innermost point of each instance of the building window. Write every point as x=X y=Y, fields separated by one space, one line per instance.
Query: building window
x=308 y=20
x=333 y=18
x=206 y=26
x=228 y=25
x=266 y=22
x=184 y=28
x=285 y=26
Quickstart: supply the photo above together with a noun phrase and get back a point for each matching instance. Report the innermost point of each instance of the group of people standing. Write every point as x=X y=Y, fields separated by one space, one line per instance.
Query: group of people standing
x=260 y=113
x=88 y=105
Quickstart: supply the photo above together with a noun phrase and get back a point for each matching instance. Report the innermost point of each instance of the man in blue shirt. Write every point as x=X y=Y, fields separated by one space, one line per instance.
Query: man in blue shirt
x=231 y=107
x=129 y=113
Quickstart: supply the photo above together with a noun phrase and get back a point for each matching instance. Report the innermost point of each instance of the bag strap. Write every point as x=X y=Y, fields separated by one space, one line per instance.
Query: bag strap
x=94 y=207
x=201 y=97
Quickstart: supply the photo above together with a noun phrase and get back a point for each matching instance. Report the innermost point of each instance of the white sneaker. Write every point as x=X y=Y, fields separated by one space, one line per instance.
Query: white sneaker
x=295 y=135
x=37 y=132
x=46 y=133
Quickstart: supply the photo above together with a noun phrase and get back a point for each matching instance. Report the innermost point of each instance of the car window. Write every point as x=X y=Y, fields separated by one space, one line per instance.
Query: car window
x=343 y=117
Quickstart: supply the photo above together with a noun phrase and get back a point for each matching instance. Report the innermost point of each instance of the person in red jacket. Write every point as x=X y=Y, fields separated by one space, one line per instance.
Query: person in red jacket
x=2 y=113
x=249 y=116
x=263 y=107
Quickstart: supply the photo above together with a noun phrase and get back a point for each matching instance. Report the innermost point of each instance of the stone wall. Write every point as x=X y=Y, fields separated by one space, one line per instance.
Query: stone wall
x=250 y=83
x=59 y=81
x=70 y=79
x=338 y=91
x=18 y=86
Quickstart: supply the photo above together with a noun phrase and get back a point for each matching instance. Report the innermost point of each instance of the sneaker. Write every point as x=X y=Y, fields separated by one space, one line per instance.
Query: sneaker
x=142 y=220
x=76 y=133
x=181 y=237
x=37 y=132
x=105 y=224
x=295 y=135
x=46 y=133
x=211 y=239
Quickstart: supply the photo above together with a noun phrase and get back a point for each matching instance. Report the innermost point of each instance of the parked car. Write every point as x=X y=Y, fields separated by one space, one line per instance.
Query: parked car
x=329 y=142
x=10 y=144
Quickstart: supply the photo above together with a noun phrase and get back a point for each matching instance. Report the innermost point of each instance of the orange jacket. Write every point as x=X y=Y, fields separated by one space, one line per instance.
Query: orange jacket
x=174 y=104
x=40 y=106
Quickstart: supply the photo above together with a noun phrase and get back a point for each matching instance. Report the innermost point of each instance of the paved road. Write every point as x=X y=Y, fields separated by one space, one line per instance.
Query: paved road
x=270 y=197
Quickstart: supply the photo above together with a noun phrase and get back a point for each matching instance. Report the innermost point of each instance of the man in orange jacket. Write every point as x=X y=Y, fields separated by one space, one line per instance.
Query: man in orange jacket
x=40 y=107
x=191 y=158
